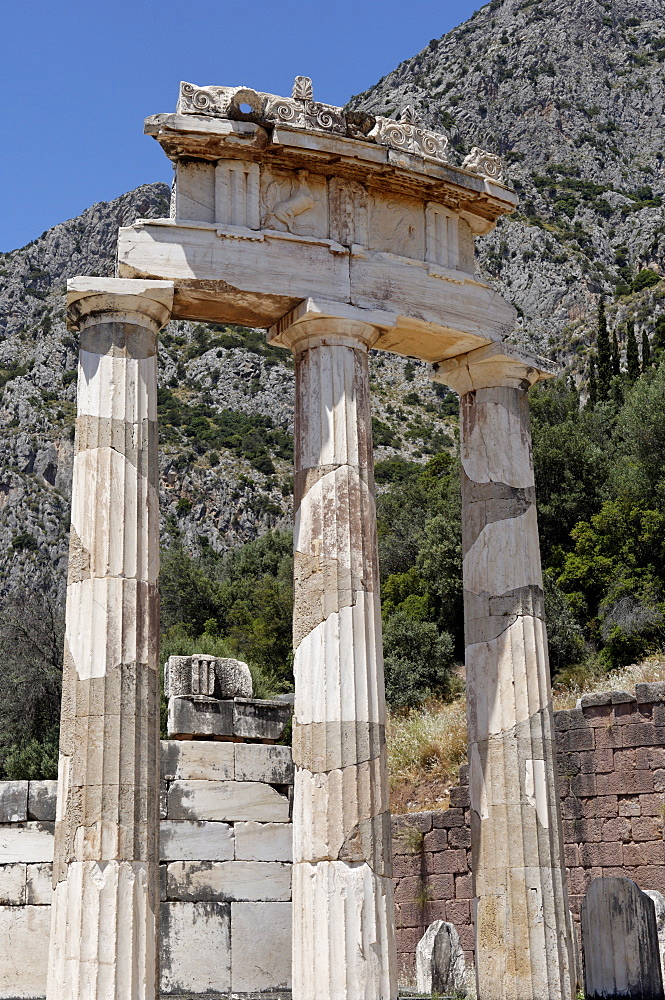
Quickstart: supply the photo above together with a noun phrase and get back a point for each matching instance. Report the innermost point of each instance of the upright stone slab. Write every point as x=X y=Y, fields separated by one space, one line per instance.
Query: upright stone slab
x=343 y=930
x=440 y=966
x=524 y=944
x=659 y=905
x=103 y=924
x=620 y=942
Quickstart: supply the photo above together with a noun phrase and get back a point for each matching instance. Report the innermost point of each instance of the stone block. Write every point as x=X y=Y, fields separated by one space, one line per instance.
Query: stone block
x=195 y=948
x=192 y=840
x=227 y=881
x=201 y=760
x=630 y=805
x=24 y=932
x=459 y=836
x=13 y=801
x=459 y=797
x=463 y=887
x=642 y=735
x=185 y=675
x=625 y=783
x=572 y=718
x=257 y=762
x=39 y=884
x=596 y=699
x=440 y=965
x=620 y=921
x=578 y=739
x=263 y=842
x=29 y=842
x=650 y=692
x=651 y=805
x=12 y=885
x=601 y=806
x=646 y=852
x=609 y=738
x=232 y=678
x=260 y=947
x=616 y=829
x=195 y=715
x=440 y=887
x=227 y=801
x=260 y=720
x=448 y=818
x=449 y=862
x=436 y=840
x=408 y=889
x=601 y=855
x=647 y=828
x=405 y=865
x=42 y=800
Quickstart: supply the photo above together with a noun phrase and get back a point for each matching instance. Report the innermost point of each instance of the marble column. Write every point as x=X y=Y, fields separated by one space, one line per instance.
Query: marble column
x=104 y=913
x=343 y=922
x=524 y=943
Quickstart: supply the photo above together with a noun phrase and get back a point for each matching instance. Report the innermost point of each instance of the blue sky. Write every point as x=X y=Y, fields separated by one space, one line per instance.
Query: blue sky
x=79 y=79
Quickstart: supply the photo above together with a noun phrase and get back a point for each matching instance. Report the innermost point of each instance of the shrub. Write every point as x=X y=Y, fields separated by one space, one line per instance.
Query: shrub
x=418 y=659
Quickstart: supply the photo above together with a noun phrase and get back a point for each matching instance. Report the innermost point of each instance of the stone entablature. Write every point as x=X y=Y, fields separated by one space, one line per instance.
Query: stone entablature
x=271 y=208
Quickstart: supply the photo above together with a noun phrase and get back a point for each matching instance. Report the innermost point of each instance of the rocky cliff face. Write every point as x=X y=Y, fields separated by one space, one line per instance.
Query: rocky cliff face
x=225 y=409
x=570 y=93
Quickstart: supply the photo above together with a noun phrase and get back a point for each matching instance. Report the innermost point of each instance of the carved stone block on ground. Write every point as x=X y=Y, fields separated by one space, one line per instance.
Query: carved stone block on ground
x=620 y=941
x=260 y=947
x=200 y=715
x=195 y=952
x=440 y=966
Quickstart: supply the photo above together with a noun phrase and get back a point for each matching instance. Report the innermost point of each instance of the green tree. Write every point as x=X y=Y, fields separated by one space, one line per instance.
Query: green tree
x=638 y=472
x=604 y=353
x=632 y=354
x=592 y=382
x=418 y=660
x=658 y=343
x=646 y=351
x=616 y=357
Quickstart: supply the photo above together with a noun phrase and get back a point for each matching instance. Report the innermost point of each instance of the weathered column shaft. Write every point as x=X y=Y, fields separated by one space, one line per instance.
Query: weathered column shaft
x=104 y=914
x=343 y=923
x=524 y=947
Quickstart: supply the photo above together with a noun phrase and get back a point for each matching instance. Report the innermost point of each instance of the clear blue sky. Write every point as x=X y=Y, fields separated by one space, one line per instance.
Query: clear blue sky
x=79 y=78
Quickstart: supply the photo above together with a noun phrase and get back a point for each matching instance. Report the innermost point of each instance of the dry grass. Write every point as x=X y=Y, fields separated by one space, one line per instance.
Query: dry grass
x=427 y=745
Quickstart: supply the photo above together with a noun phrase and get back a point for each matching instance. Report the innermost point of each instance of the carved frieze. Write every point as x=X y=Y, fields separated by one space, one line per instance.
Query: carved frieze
x=294 y=203
x=237 y=193
x=397 y=225
x=482 y=162
x=441 y=236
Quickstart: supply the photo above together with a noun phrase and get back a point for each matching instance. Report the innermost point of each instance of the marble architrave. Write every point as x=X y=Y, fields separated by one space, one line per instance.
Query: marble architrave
x=524 y=937
x=104 y=912
x=343 y=928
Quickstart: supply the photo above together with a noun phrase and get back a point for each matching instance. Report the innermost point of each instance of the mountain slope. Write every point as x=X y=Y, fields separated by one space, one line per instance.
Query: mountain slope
x=570 y=93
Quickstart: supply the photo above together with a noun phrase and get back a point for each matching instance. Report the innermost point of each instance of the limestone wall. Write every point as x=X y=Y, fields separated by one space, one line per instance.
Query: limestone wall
x=611 y=758
x=225 y=871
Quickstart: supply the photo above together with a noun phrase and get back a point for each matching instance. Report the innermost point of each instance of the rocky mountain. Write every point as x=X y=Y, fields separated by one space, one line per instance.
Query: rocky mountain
x=225 y=409
x=570 y=93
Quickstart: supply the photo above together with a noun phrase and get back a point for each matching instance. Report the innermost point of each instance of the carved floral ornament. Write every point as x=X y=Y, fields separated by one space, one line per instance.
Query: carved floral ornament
x=302 y=111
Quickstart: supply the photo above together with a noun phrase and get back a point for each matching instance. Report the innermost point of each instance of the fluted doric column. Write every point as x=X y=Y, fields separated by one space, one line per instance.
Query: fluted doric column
x=343 y=922
x=524 y=944
x=104 y=913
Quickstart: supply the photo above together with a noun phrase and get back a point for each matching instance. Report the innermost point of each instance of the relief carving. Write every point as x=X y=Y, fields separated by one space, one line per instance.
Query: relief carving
x=398 y=226
x=348 y=212
x=295 y=203
x=410 y=137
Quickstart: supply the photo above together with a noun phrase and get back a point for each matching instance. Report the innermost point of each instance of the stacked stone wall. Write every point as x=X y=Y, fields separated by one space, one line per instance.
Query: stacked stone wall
x=611 y=762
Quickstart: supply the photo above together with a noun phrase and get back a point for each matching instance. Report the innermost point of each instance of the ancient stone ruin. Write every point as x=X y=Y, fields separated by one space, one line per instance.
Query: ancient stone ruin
x=338 y=233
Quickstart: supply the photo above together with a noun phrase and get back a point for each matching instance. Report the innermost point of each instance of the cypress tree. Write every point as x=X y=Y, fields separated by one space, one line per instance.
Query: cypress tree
x=632 y=355
x=646 y=352
x=658 y=342
x=616 y=359
x=604 y=354
x=592 y=384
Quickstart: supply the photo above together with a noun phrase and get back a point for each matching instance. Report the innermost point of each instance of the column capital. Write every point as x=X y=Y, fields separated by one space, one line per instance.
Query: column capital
x=92 y=297
x=315 y=323
x=493 y=366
